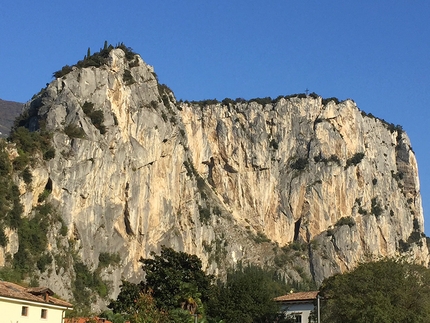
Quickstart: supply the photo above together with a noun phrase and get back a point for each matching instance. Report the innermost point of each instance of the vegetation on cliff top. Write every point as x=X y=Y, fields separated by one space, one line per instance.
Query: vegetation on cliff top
x=97 y=59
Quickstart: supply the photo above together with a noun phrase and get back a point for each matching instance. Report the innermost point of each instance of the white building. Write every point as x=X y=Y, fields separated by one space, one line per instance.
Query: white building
x=298 y=305
x=20 y=304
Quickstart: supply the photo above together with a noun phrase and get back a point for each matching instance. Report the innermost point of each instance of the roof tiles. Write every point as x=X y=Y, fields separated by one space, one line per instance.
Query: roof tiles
x=295 y=297
x=38 y=294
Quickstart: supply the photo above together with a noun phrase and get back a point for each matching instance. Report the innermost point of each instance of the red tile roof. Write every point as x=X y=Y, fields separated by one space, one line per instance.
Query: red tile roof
x=35 y=294
x=300 y=296
x=86 y=319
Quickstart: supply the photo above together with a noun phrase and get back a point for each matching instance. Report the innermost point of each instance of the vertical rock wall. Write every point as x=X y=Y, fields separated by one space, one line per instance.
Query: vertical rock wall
x=307 y=186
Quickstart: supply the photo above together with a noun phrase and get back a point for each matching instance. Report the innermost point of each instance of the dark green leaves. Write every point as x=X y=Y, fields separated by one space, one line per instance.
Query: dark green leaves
x=174 y=277
x=385 y=291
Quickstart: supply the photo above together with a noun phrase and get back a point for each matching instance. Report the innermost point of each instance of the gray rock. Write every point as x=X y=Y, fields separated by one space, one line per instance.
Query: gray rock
x=227 y=183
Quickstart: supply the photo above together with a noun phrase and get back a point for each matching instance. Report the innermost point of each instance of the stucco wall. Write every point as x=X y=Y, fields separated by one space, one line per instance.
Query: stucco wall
x=303 y=308
x=10 y=311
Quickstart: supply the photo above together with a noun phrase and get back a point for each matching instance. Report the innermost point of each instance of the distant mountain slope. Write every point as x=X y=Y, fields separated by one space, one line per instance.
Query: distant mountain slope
x=9 y=110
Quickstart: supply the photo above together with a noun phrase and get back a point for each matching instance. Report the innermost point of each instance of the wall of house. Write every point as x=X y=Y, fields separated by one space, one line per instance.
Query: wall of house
x=303 y=308
x=10 y=311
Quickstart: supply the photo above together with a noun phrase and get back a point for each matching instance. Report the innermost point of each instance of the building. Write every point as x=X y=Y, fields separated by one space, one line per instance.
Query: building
x=34 y=304
x=298 y=305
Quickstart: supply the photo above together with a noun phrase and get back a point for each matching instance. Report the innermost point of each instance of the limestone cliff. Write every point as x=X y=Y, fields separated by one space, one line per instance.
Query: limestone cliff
x=306 y=185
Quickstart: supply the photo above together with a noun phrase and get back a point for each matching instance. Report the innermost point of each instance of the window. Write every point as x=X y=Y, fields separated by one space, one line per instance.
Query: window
x=298 y=318
x=24 y=311
x=44 y=313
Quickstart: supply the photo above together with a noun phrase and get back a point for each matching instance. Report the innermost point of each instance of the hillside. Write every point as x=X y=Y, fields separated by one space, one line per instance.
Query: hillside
x=308 y=186
x=8 y=112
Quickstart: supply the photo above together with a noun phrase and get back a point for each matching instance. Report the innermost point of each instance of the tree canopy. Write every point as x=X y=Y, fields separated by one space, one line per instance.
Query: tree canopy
x=386 y=291
x=176 y=279
x=176 y=289
x=247 y=296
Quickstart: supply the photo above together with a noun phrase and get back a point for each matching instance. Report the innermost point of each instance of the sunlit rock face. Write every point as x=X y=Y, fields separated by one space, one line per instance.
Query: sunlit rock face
x=305 y=186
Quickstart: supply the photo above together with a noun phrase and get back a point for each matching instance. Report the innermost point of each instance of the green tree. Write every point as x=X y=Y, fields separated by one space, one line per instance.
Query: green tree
x=126 y=300
x=247 y=296
x=387 y=291
x=175 y=289
x=177 y=280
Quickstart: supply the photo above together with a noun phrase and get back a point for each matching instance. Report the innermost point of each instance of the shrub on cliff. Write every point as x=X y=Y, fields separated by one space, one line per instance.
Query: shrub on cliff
x=96 y=116
x=346 y=220
x=354 y=160
x=300 y=163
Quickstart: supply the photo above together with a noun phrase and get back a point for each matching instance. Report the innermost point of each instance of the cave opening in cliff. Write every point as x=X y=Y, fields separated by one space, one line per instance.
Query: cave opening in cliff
x=297 y=228
x=48 y=186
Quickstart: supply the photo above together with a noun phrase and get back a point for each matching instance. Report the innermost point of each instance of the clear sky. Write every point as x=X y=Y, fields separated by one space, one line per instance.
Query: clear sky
x=374 y=52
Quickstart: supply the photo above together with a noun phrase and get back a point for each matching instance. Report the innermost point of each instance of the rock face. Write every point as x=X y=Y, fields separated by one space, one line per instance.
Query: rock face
x=9 y=110
x=307 y=186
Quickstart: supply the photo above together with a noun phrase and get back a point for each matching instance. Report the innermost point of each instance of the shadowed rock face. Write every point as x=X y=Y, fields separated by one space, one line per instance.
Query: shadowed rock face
x=9 y=110
x=227 y=182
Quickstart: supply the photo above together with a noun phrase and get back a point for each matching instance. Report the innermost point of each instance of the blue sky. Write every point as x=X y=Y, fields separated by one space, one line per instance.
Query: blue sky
x=375 y=52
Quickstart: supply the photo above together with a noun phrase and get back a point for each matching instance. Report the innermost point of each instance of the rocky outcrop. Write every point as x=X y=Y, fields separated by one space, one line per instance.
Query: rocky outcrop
x=307 y=186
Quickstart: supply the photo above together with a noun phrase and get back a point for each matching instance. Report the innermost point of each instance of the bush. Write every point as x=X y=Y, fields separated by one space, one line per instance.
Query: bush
x=274 y=144
x=204 y=215
x=326 y=101
x=300 y=164
x=261 y=237
x=49 y=154
x=164 y=116
x=134 y=63
x=73 y=131
x=362 y=211
x=27 y=176
x=414 y=237
x=227 y=101
x=43 y=261
x=354 y=160
x=63 y=230
x=98 y=59
x=347 y=220
x=128 y=78
x=403 y=246
x=3 y=238
x=96 y=116
x=21 y=161
x=43 y=196
x=416 y=225
x=106 y=259
x=262 y=101
x=216 y=210
x=154 y=104
x=376 y=208
x=64 y=71
x=333 y=158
